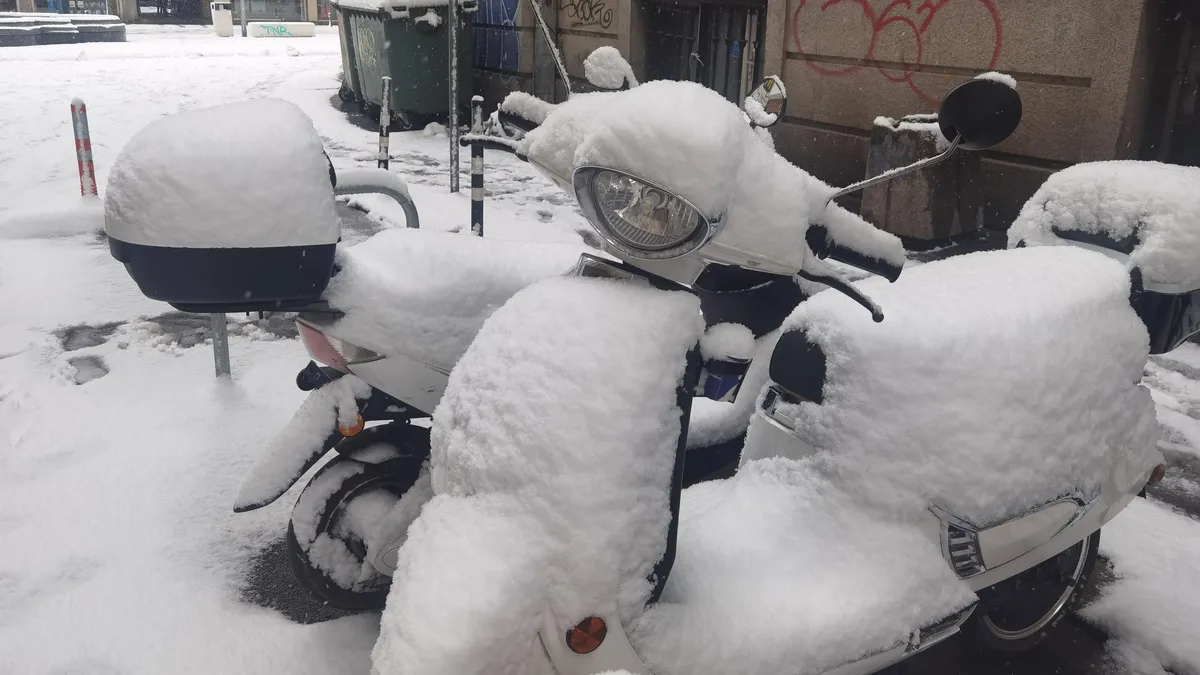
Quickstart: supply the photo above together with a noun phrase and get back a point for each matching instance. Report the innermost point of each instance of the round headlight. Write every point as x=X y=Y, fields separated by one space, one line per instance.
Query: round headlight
x=640 y=218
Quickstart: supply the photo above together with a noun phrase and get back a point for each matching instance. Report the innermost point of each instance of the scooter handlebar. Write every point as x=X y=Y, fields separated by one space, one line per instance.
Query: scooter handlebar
x=822 y=243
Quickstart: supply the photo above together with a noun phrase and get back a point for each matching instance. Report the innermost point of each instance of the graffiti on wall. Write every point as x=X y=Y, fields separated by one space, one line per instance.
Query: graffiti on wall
x=897 y=18
x=584 y=13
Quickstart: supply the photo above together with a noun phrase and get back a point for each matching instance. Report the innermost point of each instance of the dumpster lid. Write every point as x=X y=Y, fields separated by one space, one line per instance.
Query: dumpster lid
x=399 y=9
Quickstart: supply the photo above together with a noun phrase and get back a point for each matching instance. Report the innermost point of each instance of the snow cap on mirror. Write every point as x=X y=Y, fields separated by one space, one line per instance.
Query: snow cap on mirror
x=244 y=175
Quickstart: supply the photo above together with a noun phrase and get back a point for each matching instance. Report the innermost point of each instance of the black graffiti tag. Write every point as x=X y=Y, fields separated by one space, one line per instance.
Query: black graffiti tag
x=588 y=12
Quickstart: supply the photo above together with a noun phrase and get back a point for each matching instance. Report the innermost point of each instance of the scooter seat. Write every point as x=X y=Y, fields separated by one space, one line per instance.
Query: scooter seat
x=997 y=381
x=425 y=293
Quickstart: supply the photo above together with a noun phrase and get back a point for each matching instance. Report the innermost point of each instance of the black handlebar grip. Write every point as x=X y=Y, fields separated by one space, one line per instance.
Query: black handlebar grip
x=823 y=245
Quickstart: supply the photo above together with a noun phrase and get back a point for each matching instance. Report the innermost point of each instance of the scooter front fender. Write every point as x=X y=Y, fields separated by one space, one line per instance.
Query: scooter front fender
x=310 y=434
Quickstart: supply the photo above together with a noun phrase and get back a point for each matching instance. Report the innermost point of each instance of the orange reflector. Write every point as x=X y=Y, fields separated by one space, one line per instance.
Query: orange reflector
x=587 y=635
x=353 y=429
x=1157 y=475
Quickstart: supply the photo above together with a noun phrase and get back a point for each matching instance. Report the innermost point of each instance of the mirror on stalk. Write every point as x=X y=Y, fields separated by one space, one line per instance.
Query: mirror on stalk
x=767 y=103
x=605 y=68
x=982 y=112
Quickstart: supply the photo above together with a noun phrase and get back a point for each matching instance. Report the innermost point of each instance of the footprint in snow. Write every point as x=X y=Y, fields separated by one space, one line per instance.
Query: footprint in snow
x=88 y=368
x=84 y=335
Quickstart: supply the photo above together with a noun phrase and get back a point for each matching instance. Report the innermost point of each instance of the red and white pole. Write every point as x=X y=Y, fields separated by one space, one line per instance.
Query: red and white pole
x=83 y=149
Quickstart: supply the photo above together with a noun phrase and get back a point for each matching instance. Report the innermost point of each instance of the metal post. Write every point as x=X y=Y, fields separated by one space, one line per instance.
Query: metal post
x=477 y=167
x=544 y=64
x=220 y=343
x=242 y=14
x=83 y=149
x=452 y=13
x=385 y=121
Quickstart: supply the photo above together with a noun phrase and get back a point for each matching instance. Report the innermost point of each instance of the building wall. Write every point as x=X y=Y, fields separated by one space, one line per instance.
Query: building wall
x=1075 y=61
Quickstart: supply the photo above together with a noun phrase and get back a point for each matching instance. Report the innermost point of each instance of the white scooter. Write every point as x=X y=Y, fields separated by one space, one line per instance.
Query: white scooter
x=947 y=469
x=395 y=319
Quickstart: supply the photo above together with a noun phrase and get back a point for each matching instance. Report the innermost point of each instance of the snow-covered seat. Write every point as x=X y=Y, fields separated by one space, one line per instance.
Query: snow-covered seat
x=1145 y=215
x=985 y=366
x=425 y=294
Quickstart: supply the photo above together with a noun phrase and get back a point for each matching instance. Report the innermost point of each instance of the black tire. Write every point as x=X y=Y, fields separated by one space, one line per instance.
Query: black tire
x=395 y=475
x=345 y=94
x=1007 y=620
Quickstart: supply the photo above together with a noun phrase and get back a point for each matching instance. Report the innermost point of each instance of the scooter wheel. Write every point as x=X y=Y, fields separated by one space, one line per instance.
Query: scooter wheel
x=1017 y=614
x=326 y=547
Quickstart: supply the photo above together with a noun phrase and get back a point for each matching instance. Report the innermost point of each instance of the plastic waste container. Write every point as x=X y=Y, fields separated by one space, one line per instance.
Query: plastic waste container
x=410 y=45
x=222 y=18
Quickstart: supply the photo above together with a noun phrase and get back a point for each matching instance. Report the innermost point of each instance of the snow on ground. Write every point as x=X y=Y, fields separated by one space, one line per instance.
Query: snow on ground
x=120 y=551
x=120 y=454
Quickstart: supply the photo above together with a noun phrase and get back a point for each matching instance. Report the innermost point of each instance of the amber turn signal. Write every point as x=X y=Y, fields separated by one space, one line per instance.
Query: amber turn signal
x=587 y=635
x=1157 y=475
x=353 y=429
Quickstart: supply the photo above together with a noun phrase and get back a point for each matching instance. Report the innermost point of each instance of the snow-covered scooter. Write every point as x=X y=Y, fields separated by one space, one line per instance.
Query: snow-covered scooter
x=385 y=333
x=947 y=469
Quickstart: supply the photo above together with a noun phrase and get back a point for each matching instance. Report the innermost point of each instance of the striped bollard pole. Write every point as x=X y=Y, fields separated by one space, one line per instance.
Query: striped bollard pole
x=385 y=121
x=83 y=149
x=477 y=168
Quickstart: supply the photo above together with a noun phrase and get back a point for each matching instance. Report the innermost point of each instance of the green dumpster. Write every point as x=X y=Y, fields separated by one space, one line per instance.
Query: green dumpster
x=407 y=40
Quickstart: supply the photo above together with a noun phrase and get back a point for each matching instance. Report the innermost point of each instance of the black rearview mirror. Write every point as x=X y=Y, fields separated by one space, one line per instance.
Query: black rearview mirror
x=767 y=103
x=981 y=112
x=605 y=68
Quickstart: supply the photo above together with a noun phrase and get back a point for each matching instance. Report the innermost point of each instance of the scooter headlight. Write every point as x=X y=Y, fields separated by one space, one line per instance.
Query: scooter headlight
x=637 y=217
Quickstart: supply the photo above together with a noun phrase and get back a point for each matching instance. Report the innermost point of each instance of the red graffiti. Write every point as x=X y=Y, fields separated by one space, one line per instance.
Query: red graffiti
x=881 y=22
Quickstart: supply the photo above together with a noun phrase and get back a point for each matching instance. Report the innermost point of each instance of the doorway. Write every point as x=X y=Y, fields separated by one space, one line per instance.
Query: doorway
x=715 y=44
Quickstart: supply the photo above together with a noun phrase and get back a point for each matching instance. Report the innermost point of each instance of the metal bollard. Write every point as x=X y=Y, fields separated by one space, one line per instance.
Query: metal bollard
x=452 y=15
x=477 y=168
x=220 y=330
x=83 y=149
x=385 y=122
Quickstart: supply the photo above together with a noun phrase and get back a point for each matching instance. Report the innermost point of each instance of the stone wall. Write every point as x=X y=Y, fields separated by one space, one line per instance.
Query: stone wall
x=1076 y=62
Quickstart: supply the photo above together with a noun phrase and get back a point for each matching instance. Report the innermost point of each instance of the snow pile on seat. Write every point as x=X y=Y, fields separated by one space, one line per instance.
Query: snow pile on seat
x=244 y=175
x=690 y=140
x=1159 y=204
x=997 y=380
x=562 y=414
x=778 y=571
x=425 y=294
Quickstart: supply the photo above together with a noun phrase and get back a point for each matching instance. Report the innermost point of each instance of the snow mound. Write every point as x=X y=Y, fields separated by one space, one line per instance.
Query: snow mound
x=244 y=175
x=606 y=68
x=652 y=130
x=1153 y=604
x=1156 y=204
x=561 y=417
x=425 y=294
x=996 y=380
x=727 y=340
x=778 y=568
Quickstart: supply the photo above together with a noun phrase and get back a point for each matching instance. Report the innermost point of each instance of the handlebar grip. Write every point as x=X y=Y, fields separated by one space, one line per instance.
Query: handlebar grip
x=822 y=244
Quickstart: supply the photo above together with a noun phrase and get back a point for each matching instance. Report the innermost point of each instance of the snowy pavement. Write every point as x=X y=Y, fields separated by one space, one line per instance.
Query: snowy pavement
x=120 y=453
